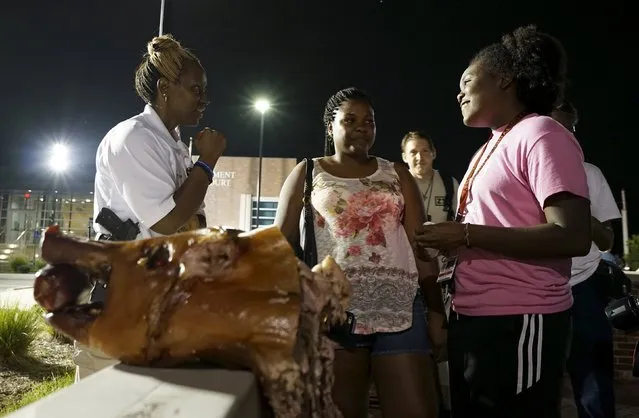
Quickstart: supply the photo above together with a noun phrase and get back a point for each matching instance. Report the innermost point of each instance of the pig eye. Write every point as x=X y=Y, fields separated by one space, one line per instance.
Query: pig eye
x=157 y=256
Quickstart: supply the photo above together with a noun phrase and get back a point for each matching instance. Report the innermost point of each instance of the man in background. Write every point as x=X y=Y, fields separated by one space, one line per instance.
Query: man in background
x=438 y=189
x=439 y=194
x=590 y=362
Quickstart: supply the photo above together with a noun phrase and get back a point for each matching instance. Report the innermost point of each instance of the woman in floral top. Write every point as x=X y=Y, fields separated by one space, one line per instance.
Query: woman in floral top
x=366 y=210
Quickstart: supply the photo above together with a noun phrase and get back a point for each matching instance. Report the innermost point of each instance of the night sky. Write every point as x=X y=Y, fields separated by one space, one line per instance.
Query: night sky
x=68 y=65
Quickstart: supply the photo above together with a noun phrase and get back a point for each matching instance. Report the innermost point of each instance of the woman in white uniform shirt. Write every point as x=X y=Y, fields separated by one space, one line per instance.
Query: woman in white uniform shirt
x=144 y=170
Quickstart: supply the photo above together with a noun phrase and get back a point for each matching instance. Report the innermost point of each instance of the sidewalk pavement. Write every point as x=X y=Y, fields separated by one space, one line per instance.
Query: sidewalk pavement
x=569 y=410
x=23 y=297
x=626 y=397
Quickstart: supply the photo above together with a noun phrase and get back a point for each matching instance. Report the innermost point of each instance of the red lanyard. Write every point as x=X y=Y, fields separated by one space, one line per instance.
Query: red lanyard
x=463 y=196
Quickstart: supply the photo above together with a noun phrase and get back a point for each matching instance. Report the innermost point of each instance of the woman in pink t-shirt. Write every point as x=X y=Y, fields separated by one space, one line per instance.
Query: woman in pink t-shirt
x=523 y=213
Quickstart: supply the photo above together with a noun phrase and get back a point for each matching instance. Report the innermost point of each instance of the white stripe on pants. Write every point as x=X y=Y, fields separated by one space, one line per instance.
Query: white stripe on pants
x=529 y=351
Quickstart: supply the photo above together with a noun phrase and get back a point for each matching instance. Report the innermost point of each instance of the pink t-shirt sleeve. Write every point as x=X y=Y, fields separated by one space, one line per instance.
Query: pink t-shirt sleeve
x=554 y=164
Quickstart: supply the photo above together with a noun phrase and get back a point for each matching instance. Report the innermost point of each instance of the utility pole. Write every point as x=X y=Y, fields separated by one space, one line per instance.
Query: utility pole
x=162 y=4
x=624 y=223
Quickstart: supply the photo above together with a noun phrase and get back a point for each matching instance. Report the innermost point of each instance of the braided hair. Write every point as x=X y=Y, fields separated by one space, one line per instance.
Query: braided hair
x=333 y=104
x=537 y=63
x=165 y=58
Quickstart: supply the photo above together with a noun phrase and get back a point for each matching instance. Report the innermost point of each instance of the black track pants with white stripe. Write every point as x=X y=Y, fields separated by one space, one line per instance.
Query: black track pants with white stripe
x=507 y=366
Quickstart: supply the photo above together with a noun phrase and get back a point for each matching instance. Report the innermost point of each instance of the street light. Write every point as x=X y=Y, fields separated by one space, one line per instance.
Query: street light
x=262 y=106
x=59 y=158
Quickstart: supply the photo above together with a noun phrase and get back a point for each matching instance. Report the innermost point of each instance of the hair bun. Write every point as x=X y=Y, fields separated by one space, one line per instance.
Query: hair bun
x=162 y=43
x=523 y=43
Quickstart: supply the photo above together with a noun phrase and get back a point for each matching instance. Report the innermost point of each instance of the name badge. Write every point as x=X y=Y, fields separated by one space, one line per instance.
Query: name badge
x=447 y=270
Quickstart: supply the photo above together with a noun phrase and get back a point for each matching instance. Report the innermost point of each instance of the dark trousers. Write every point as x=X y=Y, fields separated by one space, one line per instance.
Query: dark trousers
x=590 y=363
x=507 y=366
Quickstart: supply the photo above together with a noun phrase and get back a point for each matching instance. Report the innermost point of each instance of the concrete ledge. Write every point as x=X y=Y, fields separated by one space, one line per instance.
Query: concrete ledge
x=136 y=392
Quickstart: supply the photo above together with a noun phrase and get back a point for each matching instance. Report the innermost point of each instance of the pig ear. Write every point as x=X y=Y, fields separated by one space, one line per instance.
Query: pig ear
x=74 y=322
x=61 y=249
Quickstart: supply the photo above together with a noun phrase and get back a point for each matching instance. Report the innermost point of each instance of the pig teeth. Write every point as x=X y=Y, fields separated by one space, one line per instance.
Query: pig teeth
x=105 y=273
x=84 y=297
x=325 y=267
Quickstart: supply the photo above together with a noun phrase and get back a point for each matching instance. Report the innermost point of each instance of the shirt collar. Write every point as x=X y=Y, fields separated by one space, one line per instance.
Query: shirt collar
x=150 y=115
x=501 y=129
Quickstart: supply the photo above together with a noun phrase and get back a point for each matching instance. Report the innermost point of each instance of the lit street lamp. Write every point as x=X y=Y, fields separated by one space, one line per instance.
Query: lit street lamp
x=59 y=158
x=262 y=106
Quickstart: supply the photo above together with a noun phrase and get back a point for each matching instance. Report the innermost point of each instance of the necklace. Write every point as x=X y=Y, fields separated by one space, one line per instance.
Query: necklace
x=429 y=193
x=463 y=196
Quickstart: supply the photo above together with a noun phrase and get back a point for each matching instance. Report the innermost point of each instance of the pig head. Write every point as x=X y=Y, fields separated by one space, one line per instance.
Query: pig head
x=235 y=299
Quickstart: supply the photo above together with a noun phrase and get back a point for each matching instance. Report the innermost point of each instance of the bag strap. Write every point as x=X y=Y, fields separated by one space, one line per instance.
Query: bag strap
x=308 y=233
x=308 y=184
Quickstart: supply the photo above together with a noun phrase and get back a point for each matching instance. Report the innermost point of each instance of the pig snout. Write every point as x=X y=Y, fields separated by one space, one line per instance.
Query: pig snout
x=58 y=286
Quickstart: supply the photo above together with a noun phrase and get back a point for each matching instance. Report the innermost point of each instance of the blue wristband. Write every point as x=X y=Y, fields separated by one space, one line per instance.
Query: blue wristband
x=207 y=169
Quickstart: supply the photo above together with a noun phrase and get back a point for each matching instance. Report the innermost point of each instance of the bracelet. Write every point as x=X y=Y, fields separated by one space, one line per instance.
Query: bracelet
x=467 y=235
x=207 y=169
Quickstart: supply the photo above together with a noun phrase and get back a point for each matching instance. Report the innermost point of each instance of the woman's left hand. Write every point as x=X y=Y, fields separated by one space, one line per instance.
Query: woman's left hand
x=443 y=236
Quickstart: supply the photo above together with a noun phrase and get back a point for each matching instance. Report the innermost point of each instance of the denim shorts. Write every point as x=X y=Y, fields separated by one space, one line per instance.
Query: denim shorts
x=413 y=340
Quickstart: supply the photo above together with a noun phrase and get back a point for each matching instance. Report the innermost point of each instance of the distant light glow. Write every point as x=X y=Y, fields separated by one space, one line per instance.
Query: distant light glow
x=59 y=158
x=262 y=105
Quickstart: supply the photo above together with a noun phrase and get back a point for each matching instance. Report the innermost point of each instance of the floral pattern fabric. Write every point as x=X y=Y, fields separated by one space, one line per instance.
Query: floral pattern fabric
x=359 y=223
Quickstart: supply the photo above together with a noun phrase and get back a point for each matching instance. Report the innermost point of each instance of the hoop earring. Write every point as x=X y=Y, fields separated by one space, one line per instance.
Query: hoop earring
x=164 y=95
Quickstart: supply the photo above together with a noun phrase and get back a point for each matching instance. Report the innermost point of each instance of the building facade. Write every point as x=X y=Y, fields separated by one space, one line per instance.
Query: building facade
x=231 y=201
x=25 y=214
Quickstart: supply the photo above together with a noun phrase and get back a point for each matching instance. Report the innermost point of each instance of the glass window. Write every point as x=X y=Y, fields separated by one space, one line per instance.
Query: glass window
x=267 y=209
